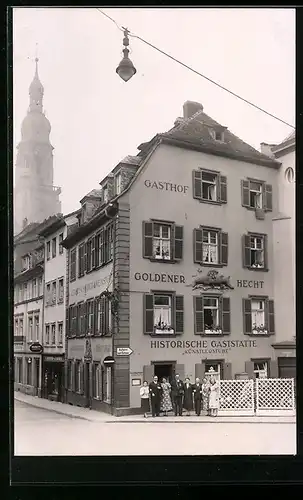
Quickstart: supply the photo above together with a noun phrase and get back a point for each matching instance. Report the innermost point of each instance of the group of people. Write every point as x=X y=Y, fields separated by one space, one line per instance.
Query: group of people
x=163 y=397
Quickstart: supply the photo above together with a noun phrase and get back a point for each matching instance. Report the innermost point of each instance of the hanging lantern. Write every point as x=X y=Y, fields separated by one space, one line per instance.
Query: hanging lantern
x=126 y=68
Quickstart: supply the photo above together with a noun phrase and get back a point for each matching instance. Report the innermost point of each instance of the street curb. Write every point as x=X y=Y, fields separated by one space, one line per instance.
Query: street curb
x=30 y=403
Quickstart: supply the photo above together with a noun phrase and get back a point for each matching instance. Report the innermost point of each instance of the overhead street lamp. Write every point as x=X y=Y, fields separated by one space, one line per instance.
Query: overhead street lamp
x=126 y=68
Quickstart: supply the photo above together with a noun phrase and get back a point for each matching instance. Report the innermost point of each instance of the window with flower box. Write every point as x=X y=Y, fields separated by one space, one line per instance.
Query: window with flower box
x=210 y=247
x=162 y=241
x=209 y=186
x=258 y=316
x=256 y=194
x=212 y=315
x=255 y=254
x=163 y=314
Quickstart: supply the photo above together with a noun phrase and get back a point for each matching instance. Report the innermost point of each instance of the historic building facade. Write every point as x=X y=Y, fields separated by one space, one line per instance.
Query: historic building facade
x=185 y=230
x=284 y=233
x=35 y=196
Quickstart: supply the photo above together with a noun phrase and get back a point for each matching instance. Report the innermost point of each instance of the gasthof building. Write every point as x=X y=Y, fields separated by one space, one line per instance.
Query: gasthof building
x=171 y=267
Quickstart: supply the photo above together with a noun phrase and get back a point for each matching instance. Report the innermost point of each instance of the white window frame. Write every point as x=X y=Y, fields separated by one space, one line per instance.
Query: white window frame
x=37 y=326
x=48 y=294
x=118 y=183
x=165 y=310
x=47 y=334
x=60 y=290
x=259 y=370
x=16 y=325
x=54 y=292
x=54 y=247
x=209 y=184
x=60 y=333
x=217 y=327
x=105 y=194
x=90 y=315
x=210 y=249
x=254 y=248
x=53 y=330
x=21 y=326
x=34 y=288
x=30 y=328
x=258 y=193
x=48 y=250
x=216 y=372
x=258 y=326
x=161 y=242
x=40 y=286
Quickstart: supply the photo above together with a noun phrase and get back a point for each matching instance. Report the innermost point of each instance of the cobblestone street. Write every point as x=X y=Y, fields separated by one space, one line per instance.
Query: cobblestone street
x=59 y=434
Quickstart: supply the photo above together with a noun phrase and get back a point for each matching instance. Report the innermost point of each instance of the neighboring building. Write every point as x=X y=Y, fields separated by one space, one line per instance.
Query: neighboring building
x=284 y=231
x=174 y=262
x=35 y=196
x=53 y=341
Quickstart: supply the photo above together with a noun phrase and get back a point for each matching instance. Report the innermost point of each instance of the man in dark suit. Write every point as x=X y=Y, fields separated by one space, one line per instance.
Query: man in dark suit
x=177 y=393
x=197 y=391
x=155 y=391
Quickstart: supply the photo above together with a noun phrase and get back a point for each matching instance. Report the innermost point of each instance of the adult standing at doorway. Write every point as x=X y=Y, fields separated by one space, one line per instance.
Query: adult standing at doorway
x=155 y=391
x=197 y=392
x=177 y=392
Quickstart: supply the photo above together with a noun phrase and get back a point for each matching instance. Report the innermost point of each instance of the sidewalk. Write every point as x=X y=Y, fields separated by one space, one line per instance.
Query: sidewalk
x=96 y=416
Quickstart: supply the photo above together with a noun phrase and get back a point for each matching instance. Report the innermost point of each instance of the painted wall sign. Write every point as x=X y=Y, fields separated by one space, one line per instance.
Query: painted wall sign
x=203 y=346
x=250 y=283
x=166 y=186
x=90 y=286
x=163 y=278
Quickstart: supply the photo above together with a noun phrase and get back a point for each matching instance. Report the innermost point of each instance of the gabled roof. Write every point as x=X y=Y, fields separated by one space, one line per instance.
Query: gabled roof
x=196 y=131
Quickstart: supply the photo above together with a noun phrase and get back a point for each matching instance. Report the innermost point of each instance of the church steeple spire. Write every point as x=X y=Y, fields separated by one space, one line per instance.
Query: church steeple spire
x=36 y=91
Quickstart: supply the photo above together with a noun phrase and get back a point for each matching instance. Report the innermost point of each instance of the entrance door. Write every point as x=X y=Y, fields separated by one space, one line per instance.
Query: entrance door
x=164 y=370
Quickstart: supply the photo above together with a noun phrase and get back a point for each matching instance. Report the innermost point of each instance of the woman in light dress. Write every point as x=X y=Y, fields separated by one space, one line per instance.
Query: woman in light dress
x=166 y=404
x=144 y=394
x=205 y=395
x=214 y=396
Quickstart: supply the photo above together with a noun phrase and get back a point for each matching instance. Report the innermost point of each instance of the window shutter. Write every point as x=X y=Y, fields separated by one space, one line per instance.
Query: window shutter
x=95 y=316
x=246 y=250
x=97 y=247
x=223 y=189
x=106 y=315
x=245 y=193
x=268 y=197
x=273 y=368
x=148 y=372
x=198 y=246
x=94 y=251
x=224 y=248
x=270 y=316
x=179 y=314
x=225 y=314
x=265 y=245
x=198 y=315
x=147 y=240
x=148 y=310
x=227 y=372
x=249 y=369
x=78 y=310
x=247 y=323
x=84 y=258
x=178 y=242
x=92 y=307
x=197 y=184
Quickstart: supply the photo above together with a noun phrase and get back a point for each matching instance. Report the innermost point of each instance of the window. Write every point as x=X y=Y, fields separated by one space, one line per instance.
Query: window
x=54 y=247
x=162 y=241
x=30 y=329
x=82 y=318
x=47 y=334
x=73 y=264
x=105 y=194
x=118 y=184
x=211 y=315
x=48 y=294
x=34 y=288
x=213 y=368
x=25 y=263
x=97 y=393
x=61 y=291
x=48 y=247
x=29 y=371
x=81 y=257
x=258 y=315
x=90 y=254
x=261 y=369
x=40 y=286
x=53 y=331
x=255 y=251
x=290 y=174
x=54 y=292
x=256 y=194
x=104 y=244
x=163 y=314
x=20 y=326
x=20 y=367
x=74 y=320
x=25 y=291
x=90 y=316
x=103 y=319
x=60 y=333
x=210 y=247
x=60 y=243
x=36 y=327
x=16 y=328
x=209 y=186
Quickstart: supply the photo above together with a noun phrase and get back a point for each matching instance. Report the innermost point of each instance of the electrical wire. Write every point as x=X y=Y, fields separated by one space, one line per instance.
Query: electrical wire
x=197 y=72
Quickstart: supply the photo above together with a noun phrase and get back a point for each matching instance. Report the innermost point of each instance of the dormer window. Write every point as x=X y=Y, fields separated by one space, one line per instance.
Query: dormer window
x=25 y=263
x=217 y=135
x=118 y=184
x=105 y=194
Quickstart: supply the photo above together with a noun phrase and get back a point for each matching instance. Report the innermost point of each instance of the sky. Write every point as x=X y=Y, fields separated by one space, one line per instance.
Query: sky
x=97 y=119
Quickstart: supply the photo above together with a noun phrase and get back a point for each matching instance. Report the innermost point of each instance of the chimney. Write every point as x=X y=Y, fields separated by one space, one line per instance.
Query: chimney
x=266 y=149
x=190 y=108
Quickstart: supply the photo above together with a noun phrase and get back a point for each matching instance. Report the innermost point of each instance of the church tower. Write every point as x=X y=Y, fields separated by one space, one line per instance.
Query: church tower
x=35 y=196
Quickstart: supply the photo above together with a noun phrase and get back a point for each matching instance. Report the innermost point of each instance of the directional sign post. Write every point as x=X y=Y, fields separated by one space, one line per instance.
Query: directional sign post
x=124 y=351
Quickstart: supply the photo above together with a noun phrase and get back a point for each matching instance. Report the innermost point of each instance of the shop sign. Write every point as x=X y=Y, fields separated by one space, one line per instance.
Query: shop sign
x=160 y=278
x=166 y=186
x=203 y=346
x=53 y=359
x=36 y=347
